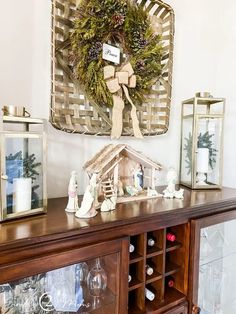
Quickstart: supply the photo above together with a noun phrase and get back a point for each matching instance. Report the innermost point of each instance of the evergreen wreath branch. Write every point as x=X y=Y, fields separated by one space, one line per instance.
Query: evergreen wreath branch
x=121 y=23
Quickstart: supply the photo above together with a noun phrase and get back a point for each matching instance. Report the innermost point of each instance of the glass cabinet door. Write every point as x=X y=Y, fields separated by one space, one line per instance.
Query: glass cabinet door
x=89 y=286
x=215 y=274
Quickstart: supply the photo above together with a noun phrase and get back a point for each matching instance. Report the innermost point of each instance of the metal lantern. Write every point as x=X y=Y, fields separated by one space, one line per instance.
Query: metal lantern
x=23 y=167
x=202 y=142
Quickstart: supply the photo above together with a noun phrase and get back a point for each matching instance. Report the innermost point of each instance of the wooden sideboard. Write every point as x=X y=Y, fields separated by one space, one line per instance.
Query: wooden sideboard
x=42 y=243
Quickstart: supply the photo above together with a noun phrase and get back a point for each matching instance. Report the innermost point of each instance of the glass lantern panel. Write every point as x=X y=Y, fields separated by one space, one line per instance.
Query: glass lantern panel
x=217 y=269
x=210 y=106
x=187 y=109
x=202 y=108
x=217 y=108
x=24 y=169
x=16 y=126
x=85 y=287
x=209 y=151
x=186 y=151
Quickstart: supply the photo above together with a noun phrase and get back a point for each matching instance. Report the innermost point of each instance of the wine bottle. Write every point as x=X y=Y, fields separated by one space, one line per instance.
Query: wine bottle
x=149 y=270
x=130 y=278
x=151 y=242
x=171 y=237
x=131 y=248
x=149 y=294
x=170 y=282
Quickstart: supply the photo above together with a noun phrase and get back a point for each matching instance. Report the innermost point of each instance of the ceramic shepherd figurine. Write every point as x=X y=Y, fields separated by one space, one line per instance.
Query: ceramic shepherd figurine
x=87 y=208
x=170 y=191
x=72 y=204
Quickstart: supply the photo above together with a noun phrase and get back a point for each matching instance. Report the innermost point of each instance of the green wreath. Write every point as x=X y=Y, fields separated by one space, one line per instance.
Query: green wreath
x=118 y=22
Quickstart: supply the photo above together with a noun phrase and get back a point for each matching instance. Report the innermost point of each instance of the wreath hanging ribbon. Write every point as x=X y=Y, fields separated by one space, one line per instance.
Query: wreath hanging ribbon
x=116 y=81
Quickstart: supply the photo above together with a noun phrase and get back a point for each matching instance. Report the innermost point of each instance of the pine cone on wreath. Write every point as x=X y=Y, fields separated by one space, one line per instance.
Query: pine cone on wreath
x=142 y=43
x=118 y=19
x=140 y=65
x=94 y=51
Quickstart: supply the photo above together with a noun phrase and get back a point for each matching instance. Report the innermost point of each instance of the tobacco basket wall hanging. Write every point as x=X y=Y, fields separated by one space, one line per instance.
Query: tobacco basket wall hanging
x=97 y=97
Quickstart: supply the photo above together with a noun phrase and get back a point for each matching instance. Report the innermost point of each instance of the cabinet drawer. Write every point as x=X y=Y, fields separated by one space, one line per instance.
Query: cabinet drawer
x=181 y=309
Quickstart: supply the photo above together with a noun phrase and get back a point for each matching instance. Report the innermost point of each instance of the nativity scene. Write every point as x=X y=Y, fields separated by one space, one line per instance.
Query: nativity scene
x=123 y=174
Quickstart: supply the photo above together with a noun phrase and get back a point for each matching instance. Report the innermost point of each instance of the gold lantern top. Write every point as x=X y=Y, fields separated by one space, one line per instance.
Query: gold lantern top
x=23 y=166
x=202 y=142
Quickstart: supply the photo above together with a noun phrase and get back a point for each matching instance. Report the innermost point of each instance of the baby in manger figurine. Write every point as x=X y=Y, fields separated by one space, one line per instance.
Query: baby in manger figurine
x=72 y=204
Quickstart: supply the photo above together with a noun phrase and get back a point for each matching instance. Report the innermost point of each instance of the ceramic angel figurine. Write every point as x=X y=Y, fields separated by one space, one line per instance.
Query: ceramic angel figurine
x=170 y=191
x=87 y=208
x=72 y=204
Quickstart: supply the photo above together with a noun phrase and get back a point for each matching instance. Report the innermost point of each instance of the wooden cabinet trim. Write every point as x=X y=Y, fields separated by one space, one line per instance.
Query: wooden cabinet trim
x=29 y=267
x=57 y=225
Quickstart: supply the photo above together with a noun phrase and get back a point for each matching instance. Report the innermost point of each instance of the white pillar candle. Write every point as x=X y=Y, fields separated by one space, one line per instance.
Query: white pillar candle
x=22 y=191
x=202 y=160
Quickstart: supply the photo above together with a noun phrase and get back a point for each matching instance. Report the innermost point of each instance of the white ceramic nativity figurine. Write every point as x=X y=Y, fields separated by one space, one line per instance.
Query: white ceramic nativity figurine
x=170 y=191
x=87 y=208
x=138 y=178
x=109 y=204
x=72 y=204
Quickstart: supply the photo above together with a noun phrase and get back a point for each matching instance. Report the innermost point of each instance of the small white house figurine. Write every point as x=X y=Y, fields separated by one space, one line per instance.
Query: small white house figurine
x=72 y=204
x=87 y=208
x=170 y=191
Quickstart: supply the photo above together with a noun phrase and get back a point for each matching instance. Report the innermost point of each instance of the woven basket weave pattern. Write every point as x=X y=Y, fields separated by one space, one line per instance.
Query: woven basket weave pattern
x=71 y=111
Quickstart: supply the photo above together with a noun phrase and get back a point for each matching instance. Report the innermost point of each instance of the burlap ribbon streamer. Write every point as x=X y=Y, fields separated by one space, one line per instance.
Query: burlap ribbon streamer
x=116 y=82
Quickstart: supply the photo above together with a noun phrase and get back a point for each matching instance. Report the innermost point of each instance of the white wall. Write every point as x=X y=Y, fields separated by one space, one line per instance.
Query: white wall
x=204 y=60
x=16 y=46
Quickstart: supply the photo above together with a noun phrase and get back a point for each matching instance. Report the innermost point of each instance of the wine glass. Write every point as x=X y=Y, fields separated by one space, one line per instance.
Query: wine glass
x=6 y=298
x=26 y=296
x=97 y=280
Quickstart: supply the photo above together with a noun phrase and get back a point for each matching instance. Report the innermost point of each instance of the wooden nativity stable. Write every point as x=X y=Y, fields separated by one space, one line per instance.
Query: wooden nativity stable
x=115 y=166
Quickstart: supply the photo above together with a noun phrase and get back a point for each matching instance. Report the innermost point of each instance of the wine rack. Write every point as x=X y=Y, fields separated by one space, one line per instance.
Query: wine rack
x=169 y=262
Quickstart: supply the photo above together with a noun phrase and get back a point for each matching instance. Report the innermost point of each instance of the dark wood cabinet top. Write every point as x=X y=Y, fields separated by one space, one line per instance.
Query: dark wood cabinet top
x=57 y=224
